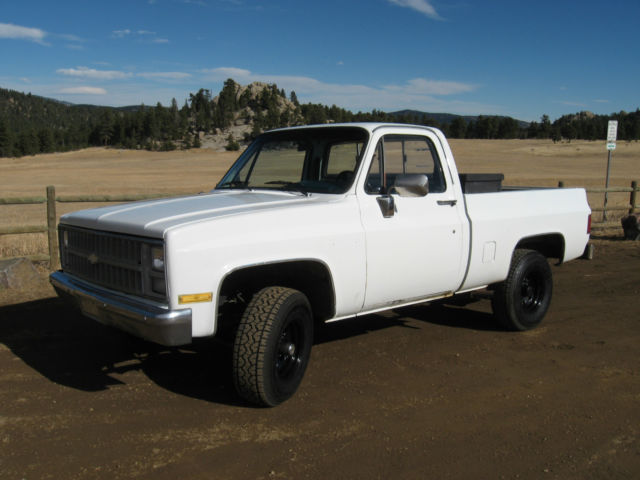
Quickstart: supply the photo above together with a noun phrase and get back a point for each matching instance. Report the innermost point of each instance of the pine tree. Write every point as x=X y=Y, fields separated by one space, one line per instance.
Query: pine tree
x=458 y=128
x=232 y=145
x=45 y=140
x=544 y=131
x=186 y=142
x=6 y=143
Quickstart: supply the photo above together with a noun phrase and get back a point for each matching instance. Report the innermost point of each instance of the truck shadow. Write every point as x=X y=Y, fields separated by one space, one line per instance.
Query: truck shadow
x=452 y=316
x=71 y=350
x=407 y=317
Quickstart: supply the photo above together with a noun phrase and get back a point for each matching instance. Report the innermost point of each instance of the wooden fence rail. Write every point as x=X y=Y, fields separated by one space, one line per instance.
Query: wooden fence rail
x=51 y=199
x=631 y=207
x=51 y=226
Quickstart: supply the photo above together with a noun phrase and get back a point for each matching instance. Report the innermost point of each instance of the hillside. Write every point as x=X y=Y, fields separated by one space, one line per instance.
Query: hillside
x=30 y=124
x=447 y=118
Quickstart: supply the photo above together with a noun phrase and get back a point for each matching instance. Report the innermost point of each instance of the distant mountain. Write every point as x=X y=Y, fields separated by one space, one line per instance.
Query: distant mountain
x=447 y=118
x=88 y=106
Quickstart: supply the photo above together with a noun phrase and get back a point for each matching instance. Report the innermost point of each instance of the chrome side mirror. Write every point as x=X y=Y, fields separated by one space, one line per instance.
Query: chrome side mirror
x=411 y=185
x=387 y=205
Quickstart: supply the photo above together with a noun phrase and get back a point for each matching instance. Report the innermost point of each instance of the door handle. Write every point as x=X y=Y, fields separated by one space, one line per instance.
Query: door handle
x=451 y=203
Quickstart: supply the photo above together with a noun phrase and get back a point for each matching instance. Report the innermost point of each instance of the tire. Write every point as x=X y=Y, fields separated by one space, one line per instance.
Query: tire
x=272 y=346
x=522 y=300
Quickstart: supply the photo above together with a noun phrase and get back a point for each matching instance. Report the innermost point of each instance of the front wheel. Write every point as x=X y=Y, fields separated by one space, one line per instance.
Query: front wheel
x=522 y=300
x=272 y=346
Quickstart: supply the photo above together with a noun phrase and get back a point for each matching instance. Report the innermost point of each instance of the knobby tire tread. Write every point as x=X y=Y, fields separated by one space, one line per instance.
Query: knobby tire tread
x=251 y=342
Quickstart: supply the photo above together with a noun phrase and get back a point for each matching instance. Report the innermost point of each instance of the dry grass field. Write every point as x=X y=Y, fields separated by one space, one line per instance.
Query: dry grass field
x=110 y=171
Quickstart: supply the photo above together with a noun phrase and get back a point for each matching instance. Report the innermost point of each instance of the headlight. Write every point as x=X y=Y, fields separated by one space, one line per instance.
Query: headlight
x=157 y=258
x=156 y=284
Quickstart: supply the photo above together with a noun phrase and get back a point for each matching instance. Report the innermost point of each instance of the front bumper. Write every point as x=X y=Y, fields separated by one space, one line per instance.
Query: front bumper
x=139 y=317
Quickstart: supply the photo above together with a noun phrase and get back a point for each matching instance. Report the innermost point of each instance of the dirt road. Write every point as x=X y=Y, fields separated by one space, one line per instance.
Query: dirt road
x=423 y=392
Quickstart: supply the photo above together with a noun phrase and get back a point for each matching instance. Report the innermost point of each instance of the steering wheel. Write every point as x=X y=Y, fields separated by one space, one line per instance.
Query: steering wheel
x=344 y=177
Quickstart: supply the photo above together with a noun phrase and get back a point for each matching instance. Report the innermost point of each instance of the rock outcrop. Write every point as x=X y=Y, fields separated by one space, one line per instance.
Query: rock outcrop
x=254 y=108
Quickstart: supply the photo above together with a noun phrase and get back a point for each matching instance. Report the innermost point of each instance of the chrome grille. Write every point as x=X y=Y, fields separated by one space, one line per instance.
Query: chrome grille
x=118 y=262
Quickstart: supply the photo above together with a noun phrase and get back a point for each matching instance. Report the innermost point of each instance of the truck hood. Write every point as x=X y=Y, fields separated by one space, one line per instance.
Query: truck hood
x=154 y=218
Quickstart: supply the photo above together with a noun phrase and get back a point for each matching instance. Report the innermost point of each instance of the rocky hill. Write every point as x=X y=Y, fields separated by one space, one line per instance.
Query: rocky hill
x=254 y=108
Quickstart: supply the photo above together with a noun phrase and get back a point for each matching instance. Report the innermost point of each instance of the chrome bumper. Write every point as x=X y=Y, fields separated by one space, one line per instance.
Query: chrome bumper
x=136 y=316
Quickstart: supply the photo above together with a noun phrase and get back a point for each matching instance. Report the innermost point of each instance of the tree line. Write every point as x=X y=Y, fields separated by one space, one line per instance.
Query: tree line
x=30 y=124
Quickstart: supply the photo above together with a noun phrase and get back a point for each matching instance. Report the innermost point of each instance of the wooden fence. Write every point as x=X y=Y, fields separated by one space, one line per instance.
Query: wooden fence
x=631 y=207
x=51 y=227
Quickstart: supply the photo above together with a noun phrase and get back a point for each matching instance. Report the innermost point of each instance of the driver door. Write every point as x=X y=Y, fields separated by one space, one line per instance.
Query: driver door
x=414 y=239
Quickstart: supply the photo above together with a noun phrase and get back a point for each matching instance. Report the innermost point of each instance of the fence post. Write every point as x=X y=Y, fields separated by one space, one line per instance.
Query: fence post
x=632 y=197
x=560 y=184
x=54 y=262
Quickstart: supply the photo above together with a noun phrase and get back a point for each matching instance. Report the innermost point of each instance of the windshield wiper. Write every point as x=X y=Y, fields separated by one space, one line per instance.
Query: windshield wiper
x=292 y=186
x=235 y=184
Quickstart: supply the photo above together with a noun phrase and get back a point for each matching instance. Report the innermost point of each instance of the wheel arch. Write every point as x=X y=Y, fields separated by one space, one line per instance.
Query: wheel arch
x=551 y=245
x=312 y=277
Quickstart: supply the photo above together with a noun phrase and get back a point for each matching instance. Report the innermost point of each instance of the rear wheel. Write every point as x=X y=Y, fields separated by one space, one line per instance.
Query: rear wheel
x=272 y=346
x=522 y=300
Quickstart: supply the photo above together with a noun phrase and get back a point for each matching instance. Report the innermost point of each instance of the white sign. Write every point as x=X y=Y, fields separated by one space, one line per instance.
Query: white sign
x=612 y=131
x=611 y=145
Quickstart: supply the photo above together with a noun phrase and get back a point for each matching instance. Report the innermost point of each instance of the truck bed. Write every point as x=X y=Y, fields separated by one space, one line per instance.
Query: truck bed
x=499 y=220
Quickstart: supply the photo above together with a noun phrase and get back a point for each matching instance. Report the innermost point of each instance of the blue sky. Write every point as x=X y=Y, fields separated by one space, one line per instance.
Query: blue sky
x=517 y=58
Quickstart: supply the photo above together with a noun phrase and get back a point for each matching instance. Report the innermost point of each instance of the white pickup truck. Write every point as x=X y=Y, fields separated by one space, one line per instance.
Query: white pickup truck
x=317 y=224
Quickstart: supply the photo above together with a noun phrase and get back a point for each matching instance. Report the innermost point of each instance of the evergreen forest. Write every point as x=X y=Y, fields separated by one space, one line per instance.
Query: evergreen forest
x=30 y=124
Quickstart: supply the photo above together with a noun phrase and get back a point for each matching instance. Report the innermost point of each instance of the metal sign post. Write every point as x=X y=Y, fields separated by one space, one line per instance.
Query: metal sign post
x=612 y=134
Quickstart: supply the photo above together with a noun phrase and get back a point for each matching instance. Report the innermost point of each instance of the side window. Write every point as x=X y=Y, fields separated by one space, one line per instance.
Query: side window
x=404 y=154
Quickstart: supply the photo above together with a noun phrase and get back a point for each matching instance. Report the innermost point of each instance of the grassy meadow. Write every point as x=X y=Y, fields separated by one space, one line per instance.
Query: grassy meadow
x=100 y=171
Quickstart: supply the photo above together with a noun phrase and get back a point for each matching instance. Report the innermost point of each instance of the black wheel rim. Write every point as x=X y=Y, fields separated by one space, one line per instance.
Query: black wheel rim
x=291 y=345
x=532 y=292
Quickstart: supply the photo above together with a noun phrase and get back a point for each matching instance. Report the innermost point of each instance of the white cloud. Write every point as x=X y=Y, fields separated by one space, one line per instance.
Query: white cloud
x=434 y=87
x=290 y=82
x=71 y=38
x=422 y=6
x=121 y=33
x=416 y=86
x=82 y=91
x=165 y=75
x=418 y=93
x=222 y=73
x=94 y=74
x=574 y=104
x=16 y=32
x=140 y=35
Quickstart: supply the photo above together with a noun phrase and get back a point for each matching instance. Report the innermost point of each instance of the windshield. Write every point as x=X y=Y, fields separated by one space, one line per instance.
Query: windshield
x=318 y=160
